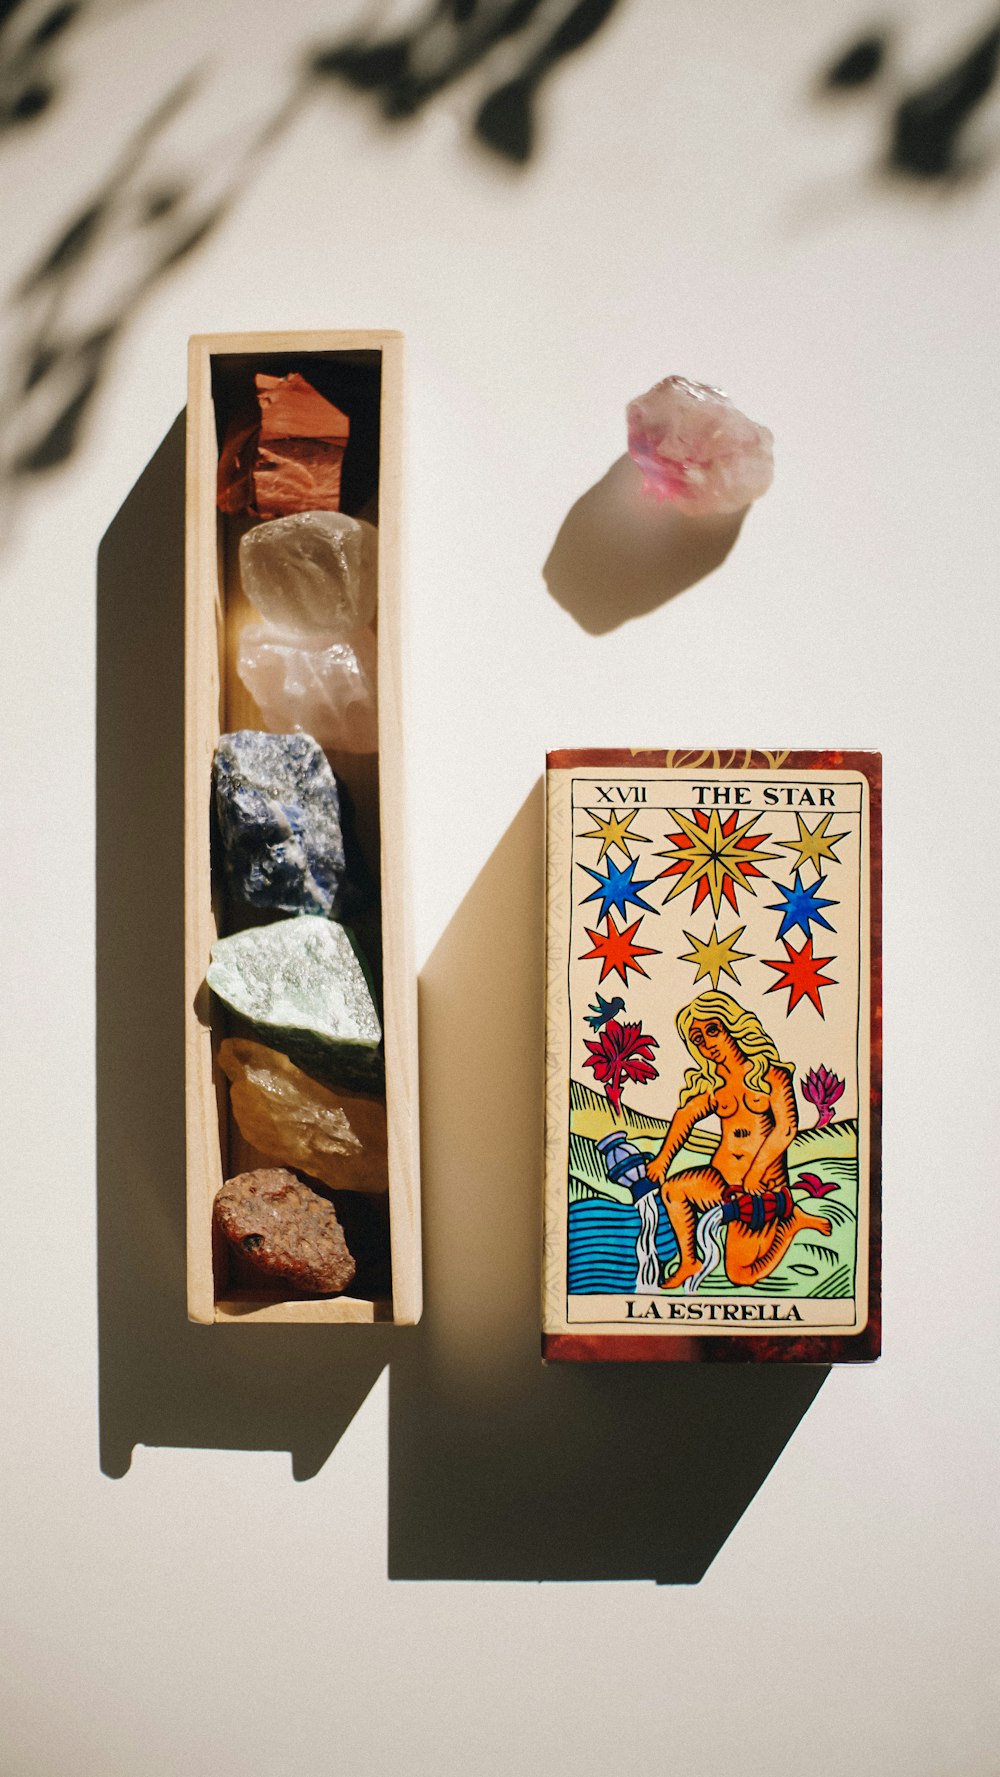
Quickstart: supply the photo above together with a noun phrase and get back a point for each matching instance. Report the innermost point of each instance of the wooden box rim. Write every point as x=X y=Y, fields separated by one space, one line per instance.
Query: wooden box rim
x=204 y=635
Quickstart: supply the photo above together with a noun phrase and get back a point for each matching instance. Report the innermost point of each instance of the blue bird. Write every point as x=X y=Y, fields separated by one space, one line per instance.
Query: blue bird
x=604 y=1011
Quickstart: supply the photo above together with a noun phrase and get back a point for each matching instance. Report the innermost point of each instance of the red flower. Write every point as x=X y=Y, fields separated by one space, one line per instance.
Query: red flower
x=622 y=1052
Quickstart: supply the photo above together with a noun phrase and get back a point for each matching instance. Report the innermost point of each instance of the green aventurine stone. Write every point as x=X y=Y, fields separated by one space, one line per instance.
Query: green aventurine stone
x=301 y=984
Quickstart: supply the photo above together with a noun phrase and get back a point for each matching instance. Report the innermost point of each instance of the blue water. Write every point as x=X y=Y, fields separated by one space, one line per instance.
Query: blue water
x=602 y=1237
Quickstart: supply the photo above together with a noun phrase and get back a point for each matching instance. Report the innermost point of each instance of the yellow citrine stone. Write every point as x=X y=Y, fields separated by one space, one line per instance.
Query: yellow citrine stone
x=291 y=1118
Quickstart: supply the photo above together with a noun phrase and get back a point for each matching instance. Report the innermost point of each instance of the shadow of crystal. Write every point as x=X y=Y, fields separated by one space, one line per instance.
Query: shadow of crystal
x=619 y=554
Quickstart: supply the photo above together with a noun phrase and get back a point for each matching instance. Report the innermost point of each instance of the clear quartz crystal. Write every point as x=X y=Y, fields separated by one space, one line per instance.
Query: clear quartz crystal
x=313 y=573
x=314 y=684
x=697 y=450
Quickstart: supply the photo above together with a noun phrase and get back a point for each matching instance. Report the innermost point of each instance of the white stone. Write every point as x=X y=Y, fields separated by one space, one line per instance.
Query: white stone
x=314 y=685
x=312 y=573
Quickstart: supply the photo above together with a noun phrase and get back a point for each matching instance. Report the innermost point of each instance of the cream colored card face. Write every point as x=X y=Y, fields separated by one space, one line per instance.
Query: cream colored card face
x=709 y=1017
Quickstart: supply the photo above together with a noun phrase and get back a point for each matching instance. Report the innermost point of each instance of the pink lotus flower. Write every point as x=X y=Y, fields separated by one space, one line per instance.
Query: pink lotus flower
x=621 y=1053
x=822 y=1087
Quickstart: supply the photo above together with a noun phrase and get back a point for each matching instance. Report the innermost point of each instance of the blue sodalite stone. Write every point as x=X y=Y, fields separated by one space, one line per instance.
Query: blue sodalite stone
x=278 y=812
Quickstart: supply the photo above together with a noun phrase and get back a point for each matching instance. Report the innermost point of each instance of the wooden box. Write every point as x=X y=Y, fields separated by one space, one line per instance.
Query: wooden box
x=361 y=372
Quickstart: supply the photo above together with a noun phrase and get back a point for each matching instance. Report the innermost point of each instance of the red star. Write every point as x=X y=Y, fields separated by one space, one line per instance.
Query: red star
x=801 y=975
x=617 y=950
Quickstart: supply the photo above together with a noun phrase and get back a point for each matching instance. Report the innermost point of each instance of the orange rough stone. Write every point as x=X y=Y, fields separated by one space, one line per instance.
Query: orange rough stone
x=337 y=1137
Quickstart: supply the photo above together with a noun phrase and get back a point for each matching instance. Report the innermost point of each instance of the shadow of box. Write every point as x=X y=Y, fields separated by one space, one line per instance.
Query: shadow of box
x=361 y=373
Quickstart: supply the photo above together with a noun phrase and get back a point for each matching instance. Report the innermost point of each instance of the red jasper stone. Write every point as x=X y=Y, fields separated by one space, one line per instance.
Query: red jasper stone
x=287 y=456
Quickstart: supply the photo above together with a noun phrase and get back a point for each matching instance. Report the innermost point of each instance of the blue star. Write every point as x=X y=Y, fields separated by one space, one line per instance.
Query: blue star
x=618 y=888
x=800 y=906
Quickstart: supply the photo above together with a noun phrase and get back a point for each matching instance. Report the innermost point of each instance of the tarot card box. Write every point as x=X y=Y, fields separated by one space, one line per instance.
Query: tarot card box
x=713 y=1056
x=362 y=374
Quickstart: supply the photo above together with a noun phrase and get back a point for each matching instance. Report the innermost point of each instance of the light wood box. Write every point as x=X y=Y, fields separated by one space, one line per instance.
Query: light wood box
x=362 y=373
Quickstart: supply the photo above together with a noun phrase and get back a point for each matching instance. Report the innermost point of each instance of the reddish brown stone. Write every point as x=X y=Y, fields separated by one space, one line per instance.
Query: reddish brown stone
x=287 y=456
x=286 y=1230
x=291 y=408
x=297 y=475
x=236 y=460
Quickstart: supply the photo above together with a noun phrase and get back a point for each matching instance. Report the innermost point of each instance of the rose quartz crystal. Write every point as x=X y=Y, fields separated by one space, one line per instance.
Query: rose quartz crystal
x=697 y=450
x=313 y=684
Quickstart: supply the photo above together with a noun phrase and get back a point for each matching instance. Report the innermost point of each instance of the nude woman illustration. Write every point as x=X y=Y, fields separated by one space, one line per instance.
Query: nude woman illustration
x=739 y=1078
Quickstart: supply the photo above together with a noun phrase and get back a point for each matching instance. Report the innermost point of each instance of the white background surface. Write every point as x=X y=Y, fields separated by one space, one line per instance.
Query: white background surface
x=689 y=210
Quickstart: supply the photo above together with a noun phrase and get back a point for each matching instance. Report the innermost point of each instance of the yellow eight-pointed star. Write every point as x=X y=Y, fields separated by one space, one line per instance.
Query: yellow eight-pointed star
x=813 y=843
x=615 y=831
x=716 y=955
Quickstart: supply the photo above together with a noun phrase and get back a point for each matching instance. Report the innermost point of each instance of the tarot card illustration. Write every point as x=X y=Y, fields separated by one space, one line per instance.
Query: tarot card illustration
x=713 y=1046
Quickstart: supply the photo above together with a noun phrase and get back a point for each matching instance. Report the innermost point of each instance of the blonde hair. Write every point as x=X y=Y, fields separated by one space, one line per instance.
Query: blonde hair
x=747 y=1033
